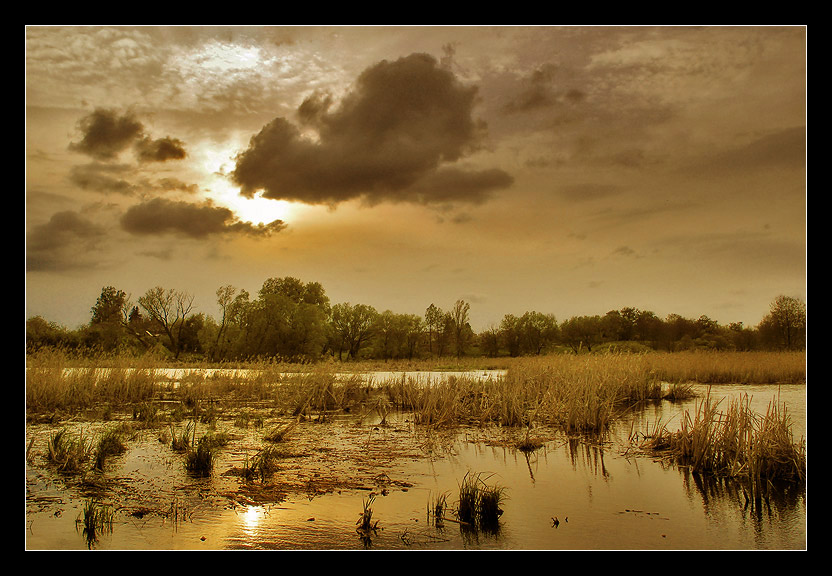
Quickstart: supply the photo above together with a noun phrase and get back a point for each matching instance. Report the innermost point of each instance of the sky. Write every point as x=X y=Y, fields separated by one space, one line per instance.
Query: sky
x=564 y=170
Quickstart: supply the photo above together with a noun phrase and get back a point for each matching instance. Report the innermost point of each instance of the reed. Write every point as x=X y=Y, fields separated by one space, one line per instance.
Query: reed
x=185 y=439
x=479 y=505
x=199 y=460
x=94 y=518
x=365 y=525
x=109 y=444
x=57 y=380
x=263 y=464
x=757 y=450
x=67 y=453
x=707 y=367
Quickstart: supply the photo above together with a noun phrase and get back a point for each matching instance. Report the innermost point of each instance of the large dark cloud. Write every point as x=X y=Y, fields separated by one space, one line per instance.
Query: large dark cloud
x=160 y=216
x=394 y=131
x=106 y=133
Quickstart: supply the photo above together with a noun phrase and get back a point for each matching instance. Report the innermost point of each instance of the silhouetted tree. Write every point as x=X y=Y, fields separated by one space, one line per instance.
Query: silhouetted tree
x=785 y=324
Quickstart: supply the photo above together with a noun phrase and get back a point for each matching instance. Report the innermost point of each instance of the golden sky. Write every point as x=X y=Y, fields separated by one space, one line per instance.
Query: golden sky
x=566 y=170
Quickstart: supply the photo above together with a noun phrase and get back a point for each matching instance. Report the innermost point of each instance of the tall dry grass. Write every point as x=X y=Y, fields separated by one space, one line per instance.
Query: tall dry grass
x=757 y=449
x=582 y=394
x=708 y=367
x=59 y=381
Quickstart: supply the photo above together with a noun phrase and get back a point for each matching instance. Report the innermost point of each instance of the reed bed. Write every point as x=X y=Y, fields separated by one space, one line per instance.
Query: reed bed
x=707 y=367
x=581 y=394
x=758 y=450
x=58 y=381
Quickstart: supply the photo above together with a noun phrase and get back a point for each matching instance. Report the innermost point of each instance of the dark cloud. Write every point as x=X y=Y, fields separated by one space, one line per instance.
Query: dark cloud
x=449 y=185
x=107 y=133
x=401 y=122
x=782 y=149
x=160 y=150
x=161 y=216
x=63 y=242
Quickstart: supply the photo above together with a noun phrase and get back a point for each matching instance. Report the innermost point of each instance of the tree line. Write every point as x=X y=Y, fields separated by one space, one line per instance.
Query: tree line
x=295 y=321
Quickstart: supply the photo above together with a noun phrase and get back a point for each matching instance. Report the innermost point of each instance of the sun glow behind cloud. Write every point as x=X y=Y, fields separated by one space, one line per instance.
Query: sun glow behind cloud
x=258 y=210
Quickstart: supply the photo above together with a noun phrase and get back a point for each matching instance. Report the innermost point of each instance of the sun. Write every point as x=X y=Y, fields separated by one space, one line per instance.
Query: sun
x=255 y=209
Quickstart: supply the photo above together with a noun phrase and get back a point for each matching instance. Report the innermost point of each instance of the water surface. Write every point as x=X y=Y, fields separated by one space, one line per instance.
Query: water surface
x=604 y=497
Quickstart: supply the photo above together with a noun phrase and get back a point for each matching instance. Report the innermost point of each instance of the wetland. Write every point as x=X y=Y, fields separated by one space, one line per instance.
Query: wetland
x=544 y=452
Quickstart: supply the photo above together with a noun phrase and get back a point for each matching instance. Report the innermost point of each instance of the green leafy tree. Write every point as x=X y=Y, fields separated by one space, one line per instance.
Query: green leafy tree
x=352 y=326
x=581 y=332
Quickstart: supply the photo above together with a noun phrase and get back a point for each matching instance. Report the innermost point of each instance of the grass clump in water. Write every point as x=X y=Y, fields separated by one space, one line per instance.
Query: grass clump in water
x=759 y=451
x=263 y=464
x=199 y=460
x=110 y=444
x=480 y=505
x=66 y=453
x=366 y=526
x=95 y=519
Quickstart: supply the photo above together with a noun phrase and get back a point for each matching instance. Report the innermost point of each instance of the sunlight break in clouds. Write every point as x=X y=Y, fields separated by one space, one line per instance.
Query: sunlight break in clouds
x=255 y=209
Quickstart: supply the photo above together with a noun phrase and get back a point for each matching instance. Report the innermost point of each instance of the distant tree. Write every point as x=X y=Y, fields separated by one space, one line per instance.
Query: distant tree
x=785 y=325
x=537 y=331
x=581 y=332
x=462 y=328
x=41 y=333
x=434 y=319
x=510 y=334
x=490 y=341
x=225 y=296
x=108 y=307
x=742 y=338
x=414 y=328
x=168 y=310
x=106 y=330
x=352 y=327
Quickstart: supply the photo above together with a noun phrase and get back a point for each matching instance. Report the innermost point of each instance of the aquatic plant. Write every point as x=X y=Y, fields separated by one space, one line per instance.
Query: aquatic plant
x=184 y=439
x=67 y=453
x=263 y=464
x=365 y=525
x=94 y=518
x=757 y=450
x=479 y=505
x=437 y=508
x=109 y=444
x=722 y=367
x=280 y=432
x=199 y=460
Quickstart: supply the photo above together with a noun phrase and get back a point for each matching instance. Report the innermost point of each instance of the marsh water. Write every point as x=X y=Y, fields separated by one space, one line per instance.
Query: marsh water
x=603 y=495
